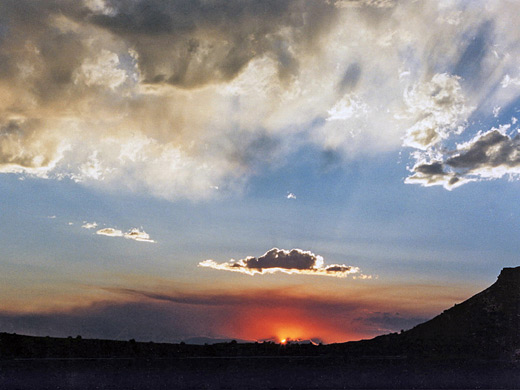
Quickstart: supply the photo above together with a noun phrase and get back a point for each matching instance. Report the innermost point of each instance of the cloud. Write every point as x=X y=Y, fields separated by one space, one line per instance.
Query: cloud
x=190 y=44
x=489 y=155
x=508 y=80
x=439 y=108
x=432 y=173
x=133 y=234
x=138 y=235
x=294 y=261
x=385 y=322
x=166 y=315
x=110 y=232
x=177 y=98
x=290 y=195
x=89 y=225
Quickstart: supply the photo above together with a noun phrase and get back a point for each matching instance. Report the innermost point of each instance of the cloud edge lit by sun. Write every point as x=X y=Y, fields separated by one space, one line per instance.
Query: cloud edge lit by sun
x=295 y=261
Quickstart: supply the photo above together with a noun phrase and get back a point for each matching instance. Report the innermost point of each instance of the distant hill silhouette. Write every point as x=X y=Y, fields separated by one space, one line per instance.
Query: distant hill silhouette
x=211 y=340
x=486 y=326
x=470 y=346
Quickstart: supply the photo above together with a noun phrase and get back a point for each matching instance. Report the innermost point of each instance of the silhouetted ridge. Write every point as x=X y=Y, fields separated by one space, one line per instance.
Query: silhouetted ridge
x=486 y=325
x=510 y=277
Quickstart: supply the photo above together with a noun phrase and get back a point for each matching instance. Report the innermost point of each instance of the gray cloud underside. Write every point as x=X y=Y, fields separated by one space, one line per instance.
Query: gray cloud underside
x=197 y=45
x=294 y=261
x=180 y=97
x=488 y=156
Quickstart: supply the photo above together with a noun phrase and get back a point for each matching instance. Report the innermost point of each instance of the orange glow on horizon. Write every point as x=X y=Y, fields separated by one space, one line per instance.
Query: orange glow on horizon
x=284 y=324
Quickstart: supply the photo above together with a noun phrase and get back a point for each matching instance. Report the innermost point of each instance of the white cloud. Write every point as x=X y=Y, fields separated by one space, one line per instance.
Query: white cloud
x=439 y=108
x=138 y=235
x=100 y=6
x=347 y=107
x=110 y=232
x=508 y=80
x=132 y=234
x=290 y=195
x=103 y=70
x=295 y=261
x=89 y=225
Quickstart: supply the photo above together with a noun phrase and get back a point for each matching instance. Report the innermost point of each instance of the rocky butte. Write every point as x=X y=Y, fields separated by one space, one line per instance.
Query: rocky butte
x=486 y=326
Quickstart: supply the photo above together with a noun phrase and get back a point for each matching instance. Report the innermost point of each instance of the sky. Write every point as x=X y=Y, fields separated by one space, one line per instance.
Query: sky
x=254 y=169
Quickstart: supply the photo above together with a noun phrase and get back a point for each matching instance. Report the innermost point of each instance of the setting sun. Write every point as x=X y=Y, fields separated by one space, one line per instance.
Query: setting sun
x=283 y=341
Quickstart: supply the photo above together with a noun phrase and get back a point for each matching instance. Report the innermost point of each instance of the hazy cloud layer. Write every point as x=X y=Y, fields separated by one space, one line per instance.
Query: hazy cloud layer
x=384 y=322
x=294 y=261
x=133 y=234
x=255 y=314
x=179 y=97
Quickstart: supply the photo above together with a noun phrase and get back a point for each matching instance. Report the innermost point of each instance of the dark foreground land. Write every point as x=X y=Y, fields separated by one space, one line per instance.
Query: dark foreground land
x=473 y=345
x=286 y=372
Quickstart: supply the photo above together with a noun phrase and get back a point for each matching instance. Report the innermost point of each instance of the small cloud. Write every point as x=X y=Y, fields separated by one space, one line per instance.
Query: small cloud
x=295 y=261
x=496 y=111
x=111 y=232
x=514 y=120
x=51 y=217
x=88 y=225
x=133 y=234
x=364 y=277
x=138 y=235
x=71 y=223
x=290 y=195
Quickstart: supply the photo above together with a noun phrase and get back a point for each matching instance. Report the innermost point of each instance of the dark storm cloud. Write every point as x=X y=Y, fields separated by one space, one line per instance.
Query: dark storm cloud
x=280 y=260
x=189 y=43
x=30 y=28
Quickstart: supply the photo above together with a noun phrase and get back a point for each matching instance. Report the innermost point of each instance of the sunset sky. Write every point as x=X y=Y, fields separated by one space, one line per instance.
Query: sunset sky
x=254 y=169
